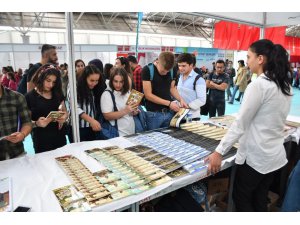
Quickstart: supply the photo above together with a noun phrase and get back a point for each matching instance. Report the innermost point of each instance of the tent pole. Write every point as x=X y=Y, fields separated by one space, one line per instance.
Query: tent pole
x=262 y=29
x=72 y=76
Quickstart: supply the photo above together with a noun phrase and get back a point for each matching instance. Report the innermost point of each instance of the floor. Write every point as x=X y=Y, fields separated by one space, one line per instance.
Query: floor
x=230 y=109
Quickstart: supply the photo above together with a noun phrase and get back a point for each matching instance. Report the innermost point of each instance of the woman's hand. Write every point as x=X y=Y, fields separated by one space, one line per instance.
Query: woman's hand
x=43 y=122
x=130 y=108
x=95 y=125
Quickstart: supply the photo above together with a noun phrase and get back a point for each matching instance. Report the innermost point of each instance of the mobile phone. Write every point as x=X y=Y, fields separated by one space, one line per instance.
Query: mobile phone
x=22 y=209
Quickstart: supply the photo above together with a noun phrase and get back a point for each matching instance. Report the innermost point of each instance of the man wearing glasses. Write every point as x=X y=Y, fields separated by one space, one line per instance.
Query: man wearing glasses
x=217 y=82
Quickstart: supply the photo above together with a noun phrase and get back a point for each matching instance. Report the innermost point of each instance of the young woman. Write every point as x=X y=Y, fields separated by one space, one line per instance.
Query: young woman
x=259 y=127
x=124 y=63
x=79 y=67
x=12 y=84
x=88 y=99
x=47 y=96
x=119 y=85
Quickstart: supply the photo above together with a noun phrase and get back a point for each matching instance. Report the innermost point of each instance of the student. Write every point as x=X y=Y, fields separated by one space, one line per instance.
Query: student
x=13 y=108
x=79 y=67
x=119 y=86
x=88 y=99
x=47 y=134
x=48 y=55
x=159 y=91
x=258 y=127
x=191 y=86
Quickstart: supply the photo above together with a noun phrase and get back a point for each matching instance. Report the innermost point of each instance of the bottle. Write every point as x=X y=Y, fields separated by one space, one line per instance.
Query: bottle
x=188 y=118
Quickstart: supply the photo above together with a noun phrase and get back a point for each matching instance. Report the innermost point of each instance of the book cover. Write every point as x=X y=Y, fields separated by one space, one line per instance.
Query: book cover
x=175 y=122
x=135 y=97
x=5 y=195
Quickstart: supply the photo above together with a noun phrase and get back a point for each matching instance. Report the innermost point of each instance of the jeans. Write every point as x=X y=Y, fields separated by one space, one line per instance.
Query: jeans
x=216 y=106
x=291 y=201
x=157 y=120
x=236 y=88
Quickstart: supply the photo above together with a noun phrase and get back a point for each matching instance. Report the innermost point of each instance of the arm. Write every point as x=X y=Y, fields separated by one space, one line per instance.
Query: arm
x=174 y=92
x=221 y=87
x=253 y=99
x=25 y=120
x=201 y=95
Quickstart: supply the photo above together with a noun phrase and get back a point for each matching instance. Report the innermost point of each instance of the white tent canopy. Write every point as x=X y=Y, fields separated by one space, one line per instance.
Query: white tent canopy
x=256 y=18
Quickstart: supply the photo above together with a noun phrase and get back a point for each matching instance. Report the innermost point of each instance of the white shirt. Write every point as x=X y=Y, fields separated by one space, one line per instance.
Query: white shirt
x=126 y=125
x=259 y=127
x=194 y=98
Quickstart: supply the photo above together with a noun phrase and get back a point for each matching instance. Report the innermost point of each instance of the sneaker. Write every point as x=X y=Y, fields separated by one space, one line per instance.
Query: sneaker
x=230 y=103
x=237 y=99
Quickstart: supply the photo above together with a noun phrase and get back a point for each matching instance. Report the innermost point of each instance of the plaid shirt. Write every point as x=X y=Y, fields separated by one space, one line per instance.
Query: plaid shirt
x=13 y=106
x=137 y=78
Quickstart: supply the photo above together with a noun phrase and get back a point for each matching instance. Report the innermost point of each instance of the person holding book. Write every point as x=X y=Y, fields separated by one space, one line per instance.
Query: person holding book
x=119 y=86
x=47 y=96
x=160 y=90
x=191 y=86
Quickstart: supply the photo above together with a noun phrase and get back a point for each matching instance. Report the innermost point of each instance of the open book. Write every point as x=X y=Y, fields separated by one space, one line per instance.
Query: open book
x=175 y=122
x=5 y=195
x=135 y=97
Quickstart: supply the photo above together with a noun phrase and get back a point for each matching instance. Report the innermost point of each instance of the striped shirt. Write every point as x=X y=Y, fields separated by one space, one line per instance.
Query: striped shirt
x=87 y=108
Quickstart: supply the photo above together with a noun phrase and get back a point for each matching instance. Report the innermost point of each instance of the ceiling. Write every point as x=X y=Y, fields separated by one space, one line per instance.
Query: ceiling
x=193 y=24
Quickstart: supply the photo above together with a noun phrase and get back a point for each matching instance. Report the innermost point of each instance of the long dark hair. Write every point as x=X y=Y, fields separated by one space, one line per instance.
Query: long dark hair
x=41 y=75
x=277 y=65
x=124 y=62
x=84 y=94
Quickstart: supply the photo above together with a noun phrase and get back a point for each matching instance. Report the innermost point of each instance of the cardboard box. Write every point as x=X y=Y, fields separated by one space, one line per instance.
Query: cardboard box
x=217 y=185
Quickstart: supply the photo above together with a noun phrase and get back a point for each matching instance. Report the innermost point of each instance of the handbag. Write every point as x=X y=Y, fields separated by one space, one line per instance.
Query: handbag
x=108 y=131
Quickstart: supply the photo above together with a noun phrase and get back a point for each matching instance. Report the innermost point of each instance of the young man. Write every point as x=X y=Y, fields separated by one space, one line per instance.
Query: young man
x=49 y=55
x=231 y=73
x=159 y=90
x=217 y=82
x=12 y=108
x=193 y=93
x=137 y=73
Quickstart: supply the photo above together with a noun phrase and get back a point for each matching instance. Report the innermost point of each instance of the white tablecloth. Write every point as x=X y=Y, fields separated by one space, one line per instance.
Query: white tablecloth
x=34 y=177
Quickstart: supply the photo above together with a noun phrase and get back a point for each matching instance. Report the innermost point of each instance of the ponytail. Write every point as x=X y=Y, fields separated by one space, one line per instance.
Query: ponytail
x=277 y=67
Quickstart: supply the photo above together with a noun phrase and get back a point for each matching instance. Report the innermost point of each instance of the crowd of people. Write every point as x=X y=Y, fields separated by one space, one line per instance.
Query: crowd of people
x=168 y=84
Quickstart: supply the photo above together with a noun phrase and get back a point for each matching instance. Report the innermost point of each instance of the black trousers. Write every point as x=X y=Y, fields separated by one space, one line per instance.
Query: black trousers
x=216 y=106
x=250 y=190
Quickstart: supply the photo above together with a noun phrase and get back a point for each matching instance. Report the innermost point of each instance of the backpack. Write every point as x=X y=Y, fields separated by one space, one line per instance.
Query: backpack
x=107 y=130
x=205 y=108
x=151 y=69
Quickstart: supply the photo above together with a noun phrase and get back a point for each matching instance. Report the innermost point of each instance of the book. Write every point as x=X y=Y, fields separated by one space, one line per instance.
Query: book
x=175 y=122
x=5 y=195
x=67 y=195
x=135 y=97
x=55 y=114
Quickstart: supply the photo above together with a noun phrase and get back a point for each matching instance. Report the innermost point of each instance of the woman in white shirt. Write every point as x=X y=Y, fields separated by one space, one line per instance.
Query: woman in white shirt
x=119 y=85
x=259 y=127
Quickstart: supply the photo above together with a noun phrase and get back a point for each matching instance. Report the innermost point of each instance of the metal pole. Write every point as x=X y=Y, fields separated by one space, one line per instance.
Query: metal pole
x=262 y=29
x=72 y=76
x=140 y=18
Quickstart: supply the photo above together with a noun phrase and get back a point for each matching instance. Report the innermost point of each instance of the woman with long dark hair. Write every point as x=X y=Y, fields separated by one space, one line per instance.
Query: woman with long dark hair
x=258 y=127
x=47 y=96
x=124 y=63
x=120 y=88
x=88 y=99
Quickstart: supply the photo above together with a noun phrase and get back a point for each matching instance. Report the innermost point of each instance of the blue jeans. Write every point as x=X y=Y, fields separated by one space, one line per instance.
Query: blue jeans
x=291 y=201
x=157 y=120
x=236 y=88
